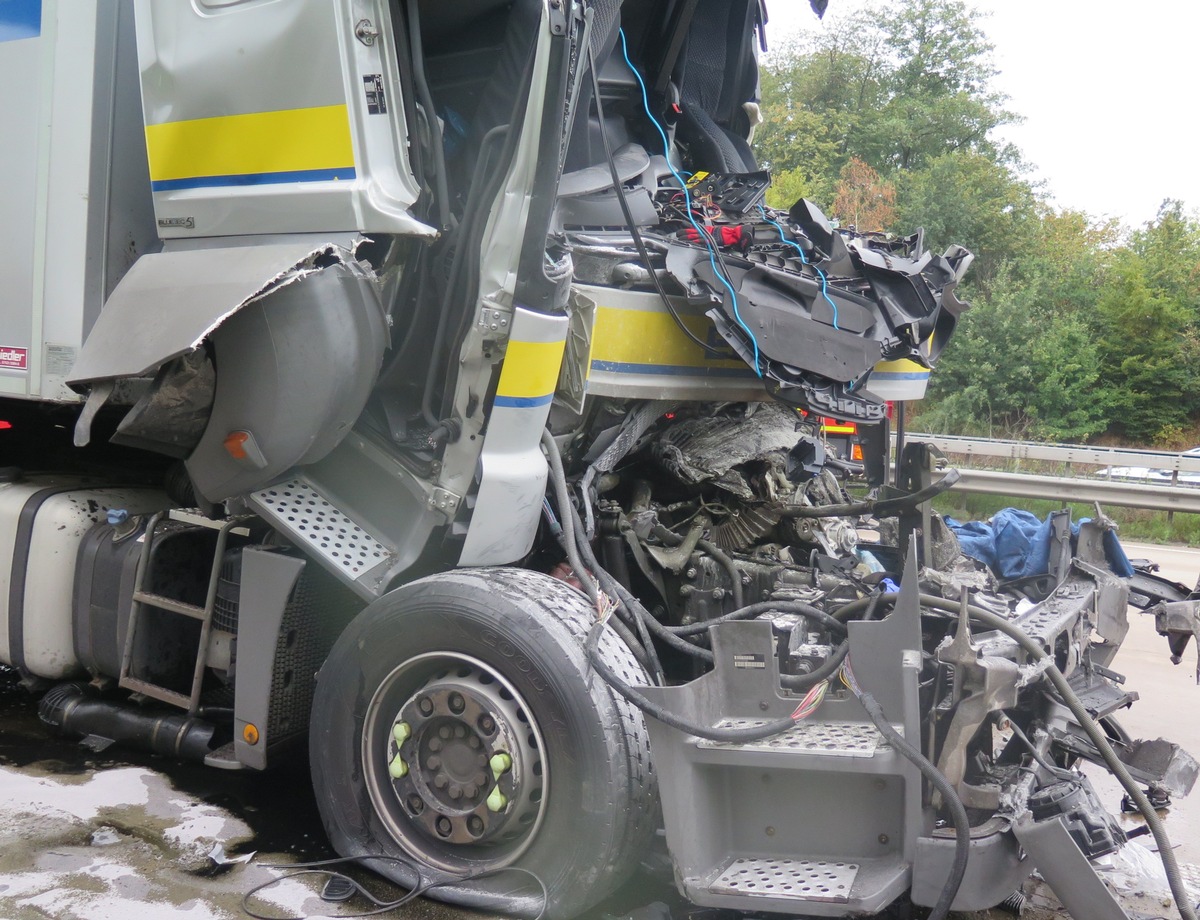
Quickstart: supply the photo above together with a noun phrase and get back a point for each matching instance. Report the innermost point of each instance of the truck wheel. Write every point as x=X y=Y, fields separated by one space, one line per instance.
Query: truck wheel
x=458 y=731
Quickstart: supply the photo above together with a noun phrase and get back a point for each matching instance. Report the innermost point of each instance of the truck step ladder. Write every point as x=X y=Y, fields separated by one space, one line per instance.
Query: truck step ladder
x=144 y=600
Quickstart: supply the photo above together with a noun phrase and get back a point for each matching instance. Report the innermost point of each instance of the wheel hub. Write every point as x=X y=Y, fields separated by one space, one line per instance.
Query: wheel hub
x=464 y=762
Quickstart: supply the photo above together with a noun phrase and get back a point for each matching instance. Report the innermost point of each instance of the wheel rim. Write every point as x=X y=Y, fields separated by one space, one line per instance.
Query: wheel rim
x=455 y=763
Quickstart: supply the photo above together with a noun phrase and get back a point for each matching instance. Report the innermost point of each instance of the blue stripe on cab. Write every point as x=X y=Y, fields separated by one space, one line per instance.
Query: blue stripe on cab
x=672 y=370
x=523 y=402
x=274 y=178
x=20 y=19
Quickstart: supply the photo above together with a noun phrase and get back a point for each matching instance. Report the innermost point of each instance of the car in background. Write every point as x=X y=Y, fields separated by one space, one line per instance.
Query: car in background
x=1150 y=474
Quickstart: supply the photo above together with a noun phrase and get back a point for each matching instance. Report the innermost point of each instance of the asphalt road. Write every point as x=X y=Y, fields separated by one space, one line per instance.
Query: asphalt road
x=110 y=836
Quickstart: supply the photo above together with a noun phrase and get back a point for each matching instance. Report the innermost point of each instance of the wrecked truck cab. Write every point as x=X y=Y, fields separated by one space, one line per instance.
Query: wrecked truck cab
x=470 y=354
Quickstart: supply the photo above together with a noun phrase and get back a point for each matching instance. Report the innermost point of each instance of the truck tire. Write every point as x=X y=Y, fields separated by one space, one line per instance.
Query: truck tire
x=459 y=737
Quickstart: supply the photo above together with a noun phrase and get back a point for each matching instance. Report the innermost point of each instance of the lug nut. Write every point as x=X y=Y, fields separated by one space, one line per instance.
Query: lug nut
x=433 y=762
x=426 y=706
x=473 y=741
x=401 y=731
x=444 y=733
x=416 y=804
x=435 y=744
x=457 y=703
x=497 y=800
x=456 y=792
x=441 y=780
x=487 y=724
x=443 y=826
x=475 y=825
x=470 y=790
x=459 y=731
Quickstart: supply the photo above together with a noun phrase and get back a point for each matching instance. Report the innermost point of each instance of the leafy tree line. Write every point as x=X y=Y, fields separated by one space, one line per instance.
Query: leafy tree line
x=1079 y=327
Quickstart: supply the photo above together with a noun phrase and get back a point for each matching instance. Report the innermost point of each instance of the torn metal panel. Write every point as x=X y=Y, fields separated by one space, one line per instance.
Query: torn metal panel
x=701 y=450
x=1070 y=874
x=171 y=301
x=1179 y=621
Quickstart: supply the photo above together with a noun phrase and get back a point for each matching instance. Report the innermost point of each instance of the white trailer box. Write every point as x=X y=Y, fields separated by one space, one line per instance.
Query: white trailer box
x=75 y=205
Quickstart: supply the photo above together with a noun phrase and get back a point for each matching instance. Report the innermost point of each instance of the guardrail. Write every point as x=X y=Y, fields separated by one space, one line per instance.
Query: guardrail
x=1127 y=494
x=1061 y=453
x=1169 y=495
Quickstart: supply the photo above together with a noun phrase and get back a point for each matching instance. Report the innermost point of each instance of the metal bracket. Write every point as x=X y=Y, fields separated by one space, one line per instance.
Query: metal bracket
x=365 y=32
x=495 y=318
x=558 y=16
x=444 y=501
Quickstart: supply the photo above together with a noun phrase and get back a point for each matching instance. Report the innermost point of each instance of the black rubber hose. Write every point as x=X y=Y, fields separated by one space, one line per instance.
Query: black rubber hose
x=435 y=129
x=1094 y=732
x=626 y=602
x=808 y=611
x=558 y=481
x=465 y=234
x=662 y=714
x=882 y=508
x=735 y=577
x=830 y=665
x=68 y=708
x=958 y=814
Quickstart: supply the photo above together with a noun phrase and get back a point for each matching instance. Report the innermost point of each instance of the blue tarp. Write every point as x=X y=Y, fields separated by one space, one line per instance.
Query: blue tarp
x=1016 y=544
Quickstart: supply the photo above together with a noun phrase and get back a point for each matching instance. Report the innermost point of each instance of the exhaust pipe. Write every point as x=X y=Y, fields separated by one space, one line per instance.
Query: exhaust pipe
x=68 y=709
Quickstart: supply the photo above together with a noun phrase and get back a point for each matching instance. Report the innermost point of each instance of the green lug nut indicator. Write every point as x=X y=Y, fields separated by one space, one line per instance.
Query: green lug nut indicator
x=401 y=731
x=398 y=768
x=500 y=763
x=497 y=800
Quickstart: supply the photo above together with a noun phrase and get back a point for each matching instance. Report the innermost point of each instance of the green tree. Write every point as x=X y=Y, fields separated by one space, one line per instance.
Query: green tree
x=1148 y=345
x=938 y=87
x=1017 y=369
x=965 y=197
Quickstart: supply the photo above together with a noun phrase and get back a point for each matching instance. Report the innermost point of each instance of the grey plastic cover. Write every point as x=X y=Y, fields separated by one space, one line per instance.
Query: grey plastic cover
x=169 y=302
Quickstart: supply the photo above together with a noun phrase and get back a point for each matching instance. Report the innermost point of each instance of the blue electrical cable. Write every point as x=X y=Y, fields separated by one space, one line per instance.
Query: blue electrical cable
x=687 y=199
x=804 y=259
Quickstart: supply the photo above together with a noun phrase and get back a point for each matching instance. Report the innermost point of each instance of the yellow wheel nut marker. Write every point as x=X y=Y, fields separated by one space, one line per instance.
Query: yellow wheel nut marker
x=398 y=768
x=401 y=731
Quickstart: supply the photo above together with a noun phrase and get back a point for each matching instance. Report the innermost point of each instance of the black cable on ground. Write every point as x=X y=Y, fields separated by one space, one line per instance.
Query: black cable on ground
x=320 y=867
x=958 y=814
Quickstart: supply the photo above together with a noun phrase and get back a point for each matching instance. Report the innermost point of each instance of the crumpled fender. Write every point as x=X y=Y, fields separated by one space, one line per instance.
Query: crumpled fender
x=295 y=333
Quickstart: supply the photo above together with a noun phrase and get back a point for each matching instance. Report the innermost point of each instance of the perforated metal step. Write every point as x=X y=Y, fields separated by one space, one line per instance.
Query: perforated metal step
x=299 y=509
x=828 y=881
x=831 y=739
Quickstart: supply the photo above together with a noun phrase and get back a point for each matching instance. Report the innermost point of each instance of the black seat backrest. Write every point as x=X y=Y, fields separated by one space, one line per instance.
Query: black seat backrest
x=718 y=73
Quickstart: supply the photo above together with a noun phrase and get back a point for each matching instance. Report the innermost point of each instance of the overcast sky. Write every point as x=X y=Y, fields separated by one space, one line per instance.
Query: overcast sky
x=1108 y=89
